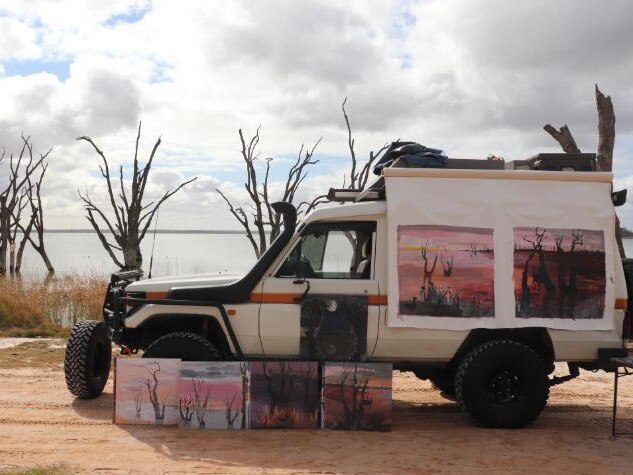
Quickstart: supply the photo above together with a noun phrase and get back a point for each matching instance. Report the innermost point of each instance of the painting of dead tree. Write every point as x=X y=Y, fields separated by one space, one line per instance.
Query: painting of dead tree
x=559 y=273
x=357 y=396
x=213 y=395
x=284 y=395
x=445 y=271
x=145 y=391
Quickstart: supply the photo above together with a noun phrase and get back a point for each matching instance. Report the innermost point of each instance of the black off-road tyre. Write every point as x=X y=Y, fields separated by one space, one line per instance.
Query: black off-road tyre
x=184 y=345
x=502 y=384
x=87 y=358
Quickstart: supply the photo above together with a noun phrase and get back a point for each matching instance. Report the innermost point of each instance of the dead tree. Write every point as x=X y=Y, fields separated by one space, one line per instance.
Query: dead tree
x=36 y=223
x=307 y=382
x=138 y=401
x=201 y=404
x=256 y=216
x=186 y=409
x=355 y=179
x=427 y=273
x=152 y=390
x=245 y=391
x=13 y=201
x=260 y=218
x=130 y=217
x=606 y=142
x=447 y=266
x=231 y=412
x=355 y=404
x=280 y=389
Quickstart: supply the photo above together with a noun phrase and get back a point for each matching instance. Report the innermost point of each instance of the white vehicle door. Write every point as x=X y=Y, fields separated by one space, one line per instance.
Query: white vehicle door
x=322 y=302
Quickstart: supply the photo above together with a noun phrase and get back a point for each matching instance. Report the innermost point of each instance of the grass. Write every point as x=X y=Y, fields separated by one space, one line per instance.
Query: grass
x=34 y=354
x=31 y=307
x=56 y=469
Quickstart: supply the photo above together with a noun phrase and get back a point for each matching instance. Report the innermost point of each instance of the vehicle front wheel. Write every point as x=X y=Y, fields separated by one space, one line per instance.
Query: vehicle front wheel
x=502 y=384
x=87 y=358
x=183 y=345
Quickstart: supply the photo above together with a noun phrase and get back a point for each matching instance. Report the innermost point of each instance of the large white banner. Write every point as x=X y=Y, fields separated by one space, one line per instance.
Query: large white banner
x=467 y=251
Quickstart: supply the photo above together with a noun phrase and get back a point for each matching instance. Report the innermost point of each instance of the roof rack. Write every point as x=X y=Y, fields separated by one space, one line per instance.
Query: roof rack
x=543 y=161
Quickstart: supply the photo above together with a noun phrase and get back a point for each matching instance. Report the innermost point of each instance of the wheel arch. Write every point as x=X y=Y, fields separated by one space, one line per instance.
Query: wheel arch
x=155 y=326
x=537 y=338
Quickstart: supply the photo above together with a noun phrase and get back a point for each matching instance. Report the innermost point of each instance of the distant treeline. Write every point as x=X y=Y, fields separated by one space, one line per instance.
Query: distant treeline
x=626 y=233
x=158 y=231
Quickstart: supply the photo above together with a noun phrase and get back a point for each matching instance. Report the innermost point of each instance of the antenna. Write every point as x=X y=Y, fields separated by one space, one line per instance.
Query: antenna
x=151 y=259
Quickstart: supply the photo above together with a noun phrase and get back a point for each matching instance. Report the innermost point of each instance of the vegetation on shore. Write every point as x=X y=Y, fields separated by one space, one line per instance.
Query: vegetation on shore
x=31 y=307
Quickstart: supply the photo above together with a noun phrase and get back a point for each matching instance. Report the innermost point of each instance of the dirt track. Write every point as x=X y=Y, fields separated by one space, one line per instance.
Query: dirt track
x=41 y=424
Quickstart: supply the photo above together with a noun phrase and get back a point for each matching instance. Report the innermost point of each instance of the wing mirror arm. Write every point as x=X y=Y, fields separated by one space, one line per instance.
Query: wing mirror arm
x=300 y=281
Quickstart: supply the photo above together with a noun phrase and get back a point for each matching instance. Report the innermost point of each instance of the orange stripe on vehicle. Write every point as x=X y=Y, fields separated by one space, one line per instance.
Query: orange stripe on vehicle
x=294 y=298
x=377 y=300
x=620 y=304
x=155 y=295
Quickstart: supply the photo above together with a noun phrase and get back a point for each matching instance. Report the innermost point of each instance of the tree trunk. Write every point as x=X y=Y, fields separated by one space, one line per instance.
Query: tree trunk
x=606 y=131
x=132 y=257
x=12 y=257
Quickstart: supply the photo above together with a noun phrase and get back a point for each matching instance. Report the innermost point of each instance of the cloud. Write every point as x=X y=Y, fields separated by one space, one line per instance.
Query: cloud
x=469 y=78
x=18 y=40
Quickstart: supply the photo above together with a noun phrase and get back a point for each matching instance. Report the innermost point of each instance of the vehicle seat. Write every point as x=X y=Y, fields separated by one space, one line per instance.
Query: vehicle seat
x=363 y=267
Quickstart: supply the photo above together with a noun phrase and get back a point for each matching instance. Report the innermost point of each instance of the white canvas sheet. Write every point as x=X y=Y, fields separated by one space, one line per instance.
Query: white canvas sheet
x=500 y=205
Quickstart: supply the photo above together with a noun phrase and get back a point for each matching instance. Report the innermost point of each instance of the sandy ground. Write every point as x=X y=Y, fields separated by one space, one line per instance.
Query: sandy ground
x=41 y=424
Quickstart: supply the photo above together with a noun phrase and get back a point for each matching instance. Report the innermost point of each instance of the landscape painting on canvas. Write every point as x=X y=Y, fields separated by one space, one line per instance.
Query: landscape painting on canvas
x=357 y=396
x=146 y=391
x=213 y=395
x=559 y=273
x=445 y=271
x=284 y=395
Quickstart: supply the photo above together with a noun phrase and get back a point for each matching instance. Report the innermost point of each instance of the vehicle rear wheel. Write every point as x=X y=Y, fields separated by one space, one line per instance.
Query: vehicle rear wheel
x=186 y=346
x=87 y=358
x=503 y=384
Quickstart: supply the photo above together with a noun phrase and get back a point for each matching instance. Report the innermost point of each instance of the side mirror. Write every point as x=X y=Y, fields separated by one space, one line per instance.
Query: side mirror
x=618 y=197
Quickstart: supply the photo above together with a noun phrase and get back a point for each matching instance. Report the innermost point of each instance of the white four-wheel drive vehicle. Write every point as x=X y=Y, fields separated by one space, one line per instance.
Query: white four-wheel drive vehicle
x=478 y=280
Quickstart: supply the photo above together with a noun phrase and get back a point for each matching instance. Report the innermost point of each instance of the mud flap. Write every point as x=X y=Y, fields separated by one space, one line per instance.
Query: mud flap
x=334 y=327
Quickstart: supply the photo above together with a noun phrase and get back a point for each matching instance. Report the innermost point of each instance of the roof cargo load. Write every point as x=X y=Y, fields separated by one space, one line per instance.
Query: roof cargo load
x=578 y=162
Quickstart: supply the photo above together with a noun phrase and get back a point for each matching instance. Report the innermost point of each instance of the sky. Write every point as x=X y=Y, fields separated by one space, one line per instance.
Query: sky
x=471 y=78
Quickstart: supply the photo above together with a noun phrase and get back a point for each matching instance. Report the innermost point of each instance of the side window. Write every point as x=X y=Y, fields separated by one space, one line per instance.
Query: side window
x=331 y=252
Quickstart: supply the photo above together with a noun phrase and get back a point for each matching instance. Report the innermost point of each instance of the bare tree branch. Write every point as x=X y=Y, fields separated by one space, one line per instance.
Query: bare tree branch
x=132 y=218
x=563 y=137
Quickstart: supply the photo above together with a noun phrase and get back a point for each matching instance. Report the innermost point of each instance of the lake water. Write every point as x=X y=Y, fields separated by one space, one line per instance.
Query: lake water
x=174 y=254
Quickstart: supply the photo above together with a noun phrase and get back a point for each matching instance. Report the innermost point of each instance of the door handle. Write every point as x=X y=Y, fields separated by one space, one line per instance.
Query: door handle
x=298 y=282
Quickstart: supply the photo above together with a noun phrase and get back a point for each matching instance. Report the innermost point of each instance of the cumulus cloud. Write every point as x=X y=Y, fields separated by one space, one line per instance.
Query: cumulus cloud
x=470 y=78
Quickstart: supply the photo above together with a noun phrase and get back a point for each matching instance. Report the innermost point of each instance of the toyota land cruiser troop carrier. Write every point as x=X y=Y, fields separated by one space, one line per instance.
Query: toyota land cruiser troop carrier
x=476 y=279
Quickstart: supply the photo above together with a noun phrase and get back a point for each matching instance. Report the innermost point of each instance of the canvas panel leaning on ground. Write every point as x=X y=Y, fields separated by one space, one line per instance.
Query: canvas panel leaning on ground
x=446 y=271
x=559 y=273
x=213 y=395
x=146 y=391
x=284 y=395
x=356 y=396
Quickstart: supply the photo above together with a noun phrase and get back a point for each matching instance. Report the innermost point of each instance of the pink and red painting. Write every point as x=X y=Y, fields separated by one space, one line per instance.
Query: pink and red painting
x=559 y=273
x=213 y=394
x=284 y=395
x=445 y=271
x=146 y=391
x=357 y=396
